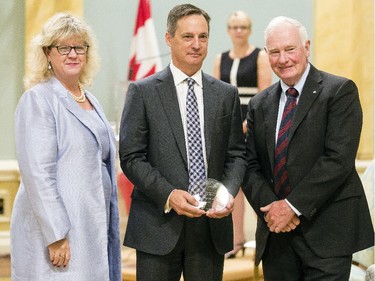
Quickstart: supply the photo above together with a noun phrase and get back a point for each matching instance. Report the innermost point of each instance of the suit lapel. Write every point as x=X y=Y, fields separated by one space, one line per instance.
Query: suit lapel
x=270 y=106
x=110 y=131
x=210 y=102
x=168 y=96
x=310 y=92
x=74 y=108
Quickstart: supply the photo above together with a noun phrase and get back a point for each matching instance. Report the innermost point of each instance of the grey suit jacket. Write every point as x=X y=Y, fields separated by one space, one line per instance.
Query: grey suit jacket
x=153 y=156
x=324 y=139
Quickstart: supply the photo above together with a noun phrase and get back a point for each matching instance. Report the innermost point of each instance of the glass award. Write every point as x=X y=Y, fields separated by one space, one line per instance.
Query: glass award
x=217 y=196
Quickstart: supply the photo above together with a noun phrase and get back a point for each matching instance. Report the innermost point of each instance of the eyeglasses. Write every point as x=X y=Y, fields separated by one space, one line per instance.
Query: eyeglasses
x=64 y=50
x=240 y=27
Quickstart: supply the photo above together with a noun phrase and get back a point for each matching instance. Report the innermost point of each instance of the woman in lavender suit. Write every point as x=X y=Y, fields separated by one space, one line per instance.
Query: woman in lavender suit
x=65 y=221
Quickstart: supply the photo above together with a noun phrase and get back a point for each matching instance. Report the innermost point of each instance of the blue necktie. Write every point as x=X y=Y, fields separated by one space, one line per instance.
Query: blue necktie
x=282 y=186
x=197 y=172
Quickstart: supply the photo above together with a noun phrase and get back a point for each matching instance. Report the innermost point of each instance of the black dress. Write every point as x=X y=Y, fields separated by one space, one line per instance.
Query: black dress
x=244 y=72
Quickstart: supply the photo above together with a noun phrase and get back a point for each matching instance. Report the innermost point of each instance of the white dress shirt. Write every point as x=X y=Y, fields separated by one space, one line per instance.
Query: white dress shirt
x=182 y=89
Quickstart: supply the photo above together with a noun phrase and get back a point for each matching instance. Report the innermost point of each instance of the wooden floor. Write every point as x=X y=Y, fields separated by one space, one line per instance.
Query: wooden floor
x=238 y=269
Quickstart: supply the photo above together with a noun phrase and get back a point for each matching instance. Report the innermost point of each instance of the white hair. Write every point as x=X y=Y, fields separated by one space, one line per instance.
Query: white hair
x=281 y=21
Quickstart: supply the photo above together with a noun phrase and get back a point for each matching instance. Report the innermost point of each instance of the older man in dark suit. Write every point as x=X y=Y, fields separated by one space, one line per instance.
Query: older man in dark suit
x=164 y=161
x=303 y=136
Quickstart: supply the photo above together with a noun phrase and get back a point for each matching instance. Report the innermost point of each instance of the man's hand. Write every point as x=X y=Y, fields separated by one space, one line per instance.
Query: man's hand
x=218 y=214
x=280 y=217
x=185 y=204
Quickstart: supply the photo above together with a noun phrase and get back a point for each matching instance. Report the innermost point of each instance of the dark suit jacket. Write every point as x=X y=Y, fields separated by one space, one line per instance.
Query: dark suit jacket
x=326 y=188
x=153 y=156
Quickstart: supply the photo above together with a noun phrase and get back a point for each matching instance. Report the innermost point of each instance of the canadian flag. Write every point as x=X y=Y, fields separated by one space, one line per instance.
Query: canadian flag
x=144 y=51
x=144 y=60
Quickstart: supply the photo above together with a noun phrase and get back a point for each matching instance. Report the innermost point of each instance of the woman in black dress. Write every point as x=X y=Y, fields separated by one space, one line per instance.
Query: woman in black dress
x=246 y=67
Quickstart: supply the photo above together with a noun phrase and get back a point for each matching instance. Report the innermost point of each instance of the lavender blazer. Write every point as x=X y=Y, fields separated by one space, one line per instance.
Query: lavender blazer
x=61 y=192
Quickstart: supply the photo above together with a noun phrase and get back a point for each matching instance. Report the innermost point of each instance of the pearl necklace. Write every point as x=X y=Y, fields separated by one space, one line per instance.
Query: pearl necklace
x=81 y=98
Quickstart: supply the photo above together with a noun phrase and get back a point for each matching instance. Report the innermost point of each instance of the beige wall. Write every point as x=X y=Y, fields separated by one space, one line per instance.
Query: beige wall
x=37 y=12
x=344 y=45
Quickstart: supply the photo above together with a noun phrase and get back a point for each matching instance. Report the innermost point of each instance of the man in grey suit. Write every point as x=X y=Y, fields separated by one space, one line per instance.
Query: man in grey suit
x=171 y=234
x=301 y=178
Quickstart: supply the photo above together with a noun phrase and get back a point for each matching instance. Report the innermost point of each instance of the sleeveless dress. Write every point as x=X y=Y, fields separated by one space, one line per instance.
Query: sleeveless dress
x=240 y=73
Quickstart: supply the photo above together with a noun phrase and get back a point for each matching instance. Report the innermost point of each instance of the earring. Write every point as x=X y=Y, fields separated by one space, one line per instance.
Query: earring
x=49 y=65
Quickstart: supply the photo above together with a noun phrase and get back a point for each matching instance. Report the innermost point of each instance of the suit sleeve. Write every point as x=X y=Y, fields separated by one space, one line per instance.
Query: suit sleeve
x=134 y=146
x=333 y=175
x=235 y=163
x=257 y=186
x=37 y=157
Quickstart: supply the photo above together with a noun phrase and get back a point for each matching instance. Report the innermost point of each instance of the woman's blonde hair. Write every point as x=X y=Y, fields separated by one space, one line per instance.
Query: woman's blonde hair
x=240 y=14
x=60 y=27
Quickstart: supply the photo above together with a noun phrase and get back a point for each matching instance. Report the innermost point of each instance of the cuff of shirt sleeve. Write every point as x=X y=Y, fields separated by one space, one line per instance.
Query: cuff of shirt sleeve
x=167 y=208
x=298 y=213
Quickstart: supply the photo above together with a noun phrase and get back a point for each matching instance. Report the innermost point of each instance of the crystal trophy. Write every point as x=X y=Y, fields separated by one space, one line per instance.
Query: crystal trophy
x=217 y=196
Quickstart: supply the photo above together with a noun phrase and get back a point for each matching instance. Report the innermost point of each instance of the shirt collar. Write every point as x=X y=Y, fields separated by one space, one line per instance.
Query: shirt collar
x=179 y=77
x=299 y=85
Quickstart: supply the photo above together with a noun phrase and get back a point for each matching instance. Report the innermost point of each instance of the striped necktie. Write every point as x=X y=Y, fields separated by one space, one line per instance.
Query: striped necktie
x=282 y=186
x=197 y=172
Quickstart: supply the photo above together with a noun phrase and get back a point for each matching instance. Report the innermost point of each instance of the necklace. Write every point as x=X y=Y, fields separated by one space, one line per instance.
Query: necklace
x=81 y=98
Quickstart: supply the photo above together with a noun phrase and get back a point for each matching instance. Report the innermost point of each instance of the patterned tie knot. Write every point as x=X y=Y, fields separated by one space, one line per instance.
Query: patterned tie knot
x=190 y=82
x=292 y=92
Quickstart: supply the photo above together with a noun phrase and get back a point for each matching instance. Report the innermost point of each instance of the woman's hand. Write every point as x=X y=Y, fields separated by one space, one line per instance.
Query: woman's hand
x=59 y=252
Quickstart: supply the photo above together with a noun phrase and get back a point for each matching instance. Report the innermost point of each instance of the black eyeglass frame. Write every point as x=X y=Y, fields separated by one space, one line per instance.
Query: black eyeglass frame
x=70 y=49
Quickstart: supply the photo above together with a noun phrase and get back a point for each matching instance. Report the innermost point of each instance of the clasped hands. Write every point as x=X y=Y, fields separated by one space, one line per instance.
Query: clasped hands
x=185 y=204
x=280 y=217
